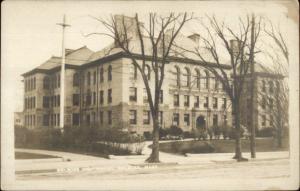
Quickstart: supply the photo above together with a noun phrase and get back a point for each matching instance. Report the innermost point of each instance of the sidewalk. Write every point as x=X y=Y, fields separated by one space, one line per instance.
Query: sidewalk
x=79 y=162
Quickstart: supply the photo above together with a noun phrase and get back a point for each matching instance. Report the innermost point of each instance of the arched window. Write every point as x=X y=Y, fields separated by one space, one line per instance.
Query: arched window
x=76 y=79
x=101 y=74
x=109 y=74
x=197 y=78
x=177 y=76
x=187 y=77
x=88 y=78
x=148 y=72
x=263 y=86
x=271 y=87
x=206 y=80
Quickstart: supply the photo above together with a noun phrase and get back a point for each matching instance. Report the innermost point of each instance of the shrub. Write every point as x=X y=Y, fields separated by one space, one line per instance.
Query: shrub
x=148 y=136
x=200 y=133
x=163 y=132
x=265 y=132
x=175 y=131
x=187 y=134
x=217 y=131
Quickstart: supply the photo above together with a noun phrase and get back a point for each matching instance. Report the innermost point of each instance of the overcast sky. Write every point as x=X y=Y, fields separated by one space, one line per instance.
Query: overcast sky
x=30 y=35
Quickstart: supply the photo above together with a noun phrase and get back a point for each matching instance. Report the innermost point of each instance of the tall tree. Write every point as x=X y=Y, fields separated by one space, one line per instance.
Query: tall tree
x=147 y=44
x=239 y=47
x=278 y=53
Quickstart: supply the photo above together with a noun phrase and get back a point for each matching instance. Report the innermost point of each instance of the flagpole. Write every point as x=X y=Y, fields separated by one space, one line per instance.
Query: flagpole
x=62 y=76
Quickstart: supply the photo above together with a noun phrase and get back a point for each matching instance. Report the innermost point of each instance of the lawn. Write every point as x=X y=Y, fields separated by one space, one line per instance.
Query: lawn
x=24 y=155
x=219 y=146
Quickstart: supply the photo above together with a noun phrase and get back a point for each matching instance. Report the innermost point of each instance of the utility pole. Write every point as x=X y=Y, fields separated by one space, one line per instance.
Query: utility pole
x=62 y=76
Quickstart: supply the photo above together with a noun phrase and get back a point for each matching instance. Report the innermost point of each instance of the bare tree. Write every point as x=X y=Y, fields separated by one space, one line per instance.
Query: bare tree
x=153 y=48
x=279 y=54
x=238 y=46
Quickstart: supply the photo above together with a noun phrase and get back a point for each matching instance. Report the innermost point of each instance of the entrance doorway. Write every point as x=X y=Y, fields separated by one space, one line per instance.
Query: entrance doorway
x=200 y=122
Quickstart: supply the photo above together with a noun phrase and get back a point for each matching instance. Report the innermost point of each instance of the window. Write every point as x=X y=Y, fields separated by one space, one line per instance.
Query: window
x=224 y=106
x=45 y=102
x=34 y=83
x=132 y=94
x=263 y=103
x=177 y=76
x=58 y=100
x=75 y=99
x=75 y=119
x=271 y=87
x=197 y=80
x=109 y=96
x=148 y=72
x=176 y=119
x=271 y=120
x=277 y=86
x=161 y=96
x=146 y=117
x=160 y=117
x=263 y=86
x=133 y=72
x=46 y=83
x=263 y=120
x=187 y=75
x=206 y=104
x=45 y=120
x=109 y=74
x=88 y=119
x=187 y=119
x=101 y=74
x=58 y=119
x=176 y=100
x=88 y=78
x=54 y=82
x=54 y=101
x=33 y=102
x=58 y=80
x=109 y=115
x=94 y=77
x=93 y=117
x=101 y=97
x=270 y=103
x=196 y=102
x=75 y=80
x=145 y=96
x=94 y=98
x=101 y=117
x=215 y=120
x=215 y=104
x=88 y=98
x=206 y=80
x=132 y=117
x=186 y=100
x=216 y=83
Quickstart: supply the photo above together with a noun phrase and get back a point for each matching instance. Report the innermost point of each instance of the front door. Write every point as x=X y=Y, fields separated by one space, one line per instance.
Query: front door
x=200 y=122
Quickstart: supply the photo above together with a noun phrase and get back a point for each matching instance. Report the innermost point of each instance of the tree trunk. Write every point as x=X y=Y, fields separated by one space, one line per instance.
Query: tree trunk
x=238 y=146
x=154 y=157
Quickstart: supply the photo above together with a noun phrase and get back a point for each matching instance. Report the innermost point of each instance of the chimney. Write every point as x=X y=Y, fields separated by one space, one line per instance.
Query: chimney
x=195 y=37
